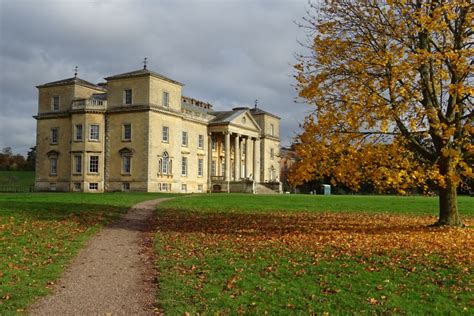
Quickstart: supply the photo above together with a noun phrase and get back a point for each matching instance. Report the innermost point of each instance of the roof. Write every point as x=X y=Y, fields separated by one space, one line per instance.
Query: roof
x=69 y=81
x=141 y=73
x=225 y=116
x=258 y=111
x=195 y=108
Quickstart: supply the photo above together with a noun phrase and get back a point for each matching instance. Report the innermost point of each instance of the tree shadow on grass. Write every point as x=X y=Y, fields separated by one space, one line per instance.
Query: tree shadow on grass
x=83 y=214
x=279 y=225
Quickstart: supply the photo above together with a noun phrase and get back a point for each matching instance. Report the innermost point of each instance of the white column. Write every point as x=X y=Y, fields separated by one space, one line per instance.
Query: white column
x=209 y=161
x=247 y=157
x=227 y=156
x=256 y=160
x=237 y=157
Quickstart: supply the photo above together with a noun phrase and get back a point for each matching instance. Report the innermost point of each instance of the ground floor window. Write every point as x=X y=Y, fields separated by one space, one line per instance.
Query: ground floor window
x=52 y=186
x=126 y=186
x=200 y=167
x=93 y=186
x=165 y=187
x=213 y=168
x=126 y=164
x=184 y=187
x=200 y=188
x=77 y=186
x=53 y=166
x=94 y=164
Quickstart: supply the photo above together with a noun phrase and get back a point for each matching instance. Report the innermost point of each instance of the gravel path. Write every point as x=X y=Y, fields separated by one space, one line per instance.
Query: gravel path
x=114 y=274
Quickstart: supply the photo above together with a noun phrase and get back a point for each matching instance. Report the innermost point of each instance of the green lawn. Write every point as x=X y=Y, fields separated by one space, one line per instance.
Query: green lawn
x=23 y=179
x=41 y=232
x=410 y=205
x=312 y=254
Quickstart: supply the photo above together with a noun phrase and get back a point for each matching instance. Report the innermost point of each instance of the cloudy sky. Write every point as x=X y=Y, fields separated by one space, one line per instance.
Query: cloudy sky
x=226 y=52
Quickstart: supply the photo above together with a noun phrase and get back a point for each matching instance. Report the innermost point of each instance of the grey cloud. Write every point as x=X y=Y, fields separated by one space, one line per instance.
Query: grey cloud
x=226 y=52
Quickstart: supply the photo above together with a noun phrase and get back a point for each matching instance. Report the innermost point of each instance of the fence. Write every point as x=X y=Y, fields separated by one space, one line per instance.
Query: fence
x=8 y=188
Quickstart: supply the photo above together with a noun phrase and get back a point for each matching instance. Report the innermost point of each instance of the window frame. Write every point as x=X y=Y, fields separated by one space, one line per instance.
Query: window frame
x=54 y=136
x=184 y=138
x=76 y=129
x=165 y=164
x=184 y=166
x=95 y=164
x=213 y=167
x=126 y=165
x=163 y=138
x=201 y=141
x=95 y=184
x=200 y=171
x=98 y=133
x=165 y=101
x=126 y=96
x=53 y=167
x=125 y=186
x=77 y=158
x=77 y=186
x=124 y=132
x=55 y=107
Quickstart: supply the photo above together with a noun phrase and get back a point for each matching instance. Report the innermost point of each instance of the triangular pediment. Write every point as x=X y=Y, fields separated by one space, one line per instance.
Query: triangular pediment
x=126 y=151
x=244 y=120
x=52 y=153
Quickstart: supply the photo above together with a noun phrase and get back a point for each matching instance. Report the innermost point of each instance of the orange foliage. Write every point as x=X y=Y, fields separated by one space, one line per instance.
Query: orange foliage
x=391 y=83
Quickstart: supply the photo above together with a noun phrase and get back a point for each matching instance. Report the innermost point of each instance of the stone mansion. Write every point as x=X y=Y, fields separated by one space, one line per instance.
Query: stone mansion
x=137 y=132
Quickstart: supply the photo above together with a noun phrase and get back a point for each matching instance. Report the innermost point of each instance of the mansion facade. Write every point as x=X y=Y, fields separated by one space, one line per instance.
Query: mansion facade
x=137 y=132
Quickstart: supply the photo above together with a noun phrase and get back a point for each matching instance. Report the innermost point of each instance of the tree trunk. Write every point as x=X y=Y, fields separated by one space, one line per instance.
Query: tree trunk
x=448 y=207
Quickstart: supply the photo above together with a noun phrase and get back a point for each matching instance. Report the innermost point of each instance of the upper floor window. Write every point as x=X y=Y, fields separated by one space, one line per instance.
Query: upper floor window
x=78 y=132
x=166 y=99
x=272 y=129
x=127 y=96
x=53 y=166
x=200 y=167
x=78 y=164
x=94 y=132
x=94 y=164
x=184 y=139
x=126 y=164
x=184 y=166
x=272 y=153
x=165 y=134
x=201 y=141
x=54 y=135
x=127 y=132
x=55 y=103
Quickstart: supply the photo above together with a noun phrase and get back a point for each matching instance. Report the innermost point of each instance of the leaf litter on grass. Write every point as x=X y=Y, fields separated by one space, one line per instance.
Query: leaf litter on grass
x=199 y=246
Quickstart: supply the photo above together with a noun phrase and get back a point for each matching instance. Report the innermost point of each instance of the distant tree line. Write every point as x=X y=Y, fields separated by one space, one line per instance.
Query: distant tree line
x=17 y=162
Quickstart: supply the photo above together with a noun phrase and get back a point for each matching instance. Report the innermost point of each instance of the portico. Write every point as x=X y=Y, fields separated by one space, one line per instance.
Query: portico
x=234 y=140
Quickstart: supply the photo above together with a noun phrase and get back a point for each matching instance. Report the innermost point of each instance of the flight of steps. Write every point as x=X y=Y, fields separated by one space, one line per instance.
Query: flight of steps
x=261 y=189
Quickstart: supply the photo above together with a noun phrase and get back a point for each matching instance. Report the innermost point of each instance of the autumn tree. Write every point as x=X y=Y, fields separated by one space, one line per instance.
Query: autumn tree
x=392 y=87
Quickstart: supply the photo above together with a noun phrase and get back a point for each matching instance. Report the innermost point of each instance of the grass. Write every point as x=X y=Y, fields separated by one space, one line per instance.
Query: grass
x=41 y=232
x=17 y=178
x=244 y=203
x=312 y=254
